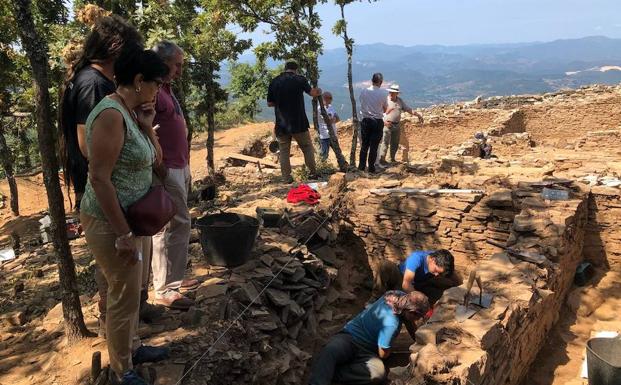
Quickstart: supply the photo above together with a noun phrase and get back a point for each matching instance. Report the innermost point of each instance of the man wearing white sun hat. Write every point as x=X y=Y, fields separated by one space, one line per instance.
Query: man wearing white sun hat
x=392 y=120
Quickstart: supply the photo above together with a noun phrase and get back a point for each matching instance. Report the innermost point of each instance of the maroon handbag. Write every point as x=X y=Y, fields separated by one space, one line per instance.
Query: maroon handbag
x=148 y=215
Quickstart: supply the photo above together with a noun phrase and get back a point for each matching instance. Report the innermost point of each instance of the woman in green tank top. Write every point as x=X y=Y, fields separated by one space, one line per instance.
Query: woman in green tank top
x=120 y=138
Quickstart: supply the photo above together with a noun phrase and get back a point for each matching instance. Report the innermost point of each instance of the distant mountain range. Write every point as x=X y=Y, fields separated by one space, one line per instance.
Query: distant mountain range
x=433 y=74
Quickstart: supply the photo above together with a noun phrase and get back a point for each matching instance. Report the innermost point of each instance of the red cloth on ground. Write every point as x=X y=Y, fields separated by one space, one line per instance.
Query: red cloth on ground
x=303 y=193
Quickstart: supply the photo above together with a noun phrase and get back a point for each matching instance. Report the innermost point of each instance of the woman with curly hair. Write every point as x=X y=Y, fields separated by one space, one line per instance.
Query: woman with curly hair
x=356 y=354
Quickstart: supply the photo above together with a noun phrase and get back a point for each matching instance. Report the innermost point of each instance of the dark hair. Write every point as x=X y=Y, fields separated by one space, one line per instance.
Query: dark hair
x=377 y=77
x=414 y=302
x=444 y=259
x=135 y=60
x=105 y=41
x=291 y=65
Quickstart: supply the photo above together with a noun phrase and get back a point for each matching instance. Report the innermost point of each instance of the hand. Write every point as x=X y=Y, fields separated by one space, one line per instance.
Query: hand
x=159 y=155
x=161 y=171
x=145 y=113
x=126 y=249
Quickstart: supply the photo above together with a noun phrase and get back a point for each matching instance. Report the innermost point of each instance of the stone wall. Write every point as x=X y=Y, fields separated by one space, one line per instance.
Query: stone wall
x=596 y=140
x=602 y=245
x=496 y=345
x=509 y=123
x=396 y=223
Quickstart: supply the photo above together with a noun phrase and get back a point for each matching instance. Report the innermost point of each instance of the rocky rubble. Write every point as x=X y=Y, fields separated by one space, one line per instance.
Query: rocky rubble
x=273 y=303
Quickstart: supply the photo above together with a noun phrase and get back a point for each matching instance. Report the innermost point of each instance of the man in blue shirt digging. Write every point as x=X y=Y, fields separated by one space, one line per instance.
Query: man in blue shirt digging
x=417 y=272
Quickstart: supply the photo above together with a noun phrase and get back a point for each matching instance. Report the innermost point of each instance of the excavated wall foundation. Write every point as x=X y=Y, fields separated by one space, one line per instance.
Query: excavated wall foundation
x=496 y=345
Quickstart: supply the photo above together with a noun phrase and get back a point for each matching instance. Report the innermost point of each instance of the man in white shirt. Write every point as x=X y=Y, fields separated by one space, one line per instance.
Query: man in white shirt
x=392 y=124
x=324 y=134
x=373 y=104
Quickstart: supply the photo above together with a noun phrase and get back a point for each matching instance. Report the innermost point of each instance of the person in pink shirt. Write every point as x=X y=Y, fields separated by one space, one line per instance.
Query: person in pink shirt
x=170 y=245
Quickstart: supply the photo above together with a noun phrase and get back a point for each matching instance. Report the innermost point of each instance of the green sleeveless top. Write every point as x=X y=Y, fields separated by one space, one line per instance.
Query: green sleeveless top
x=133 y=172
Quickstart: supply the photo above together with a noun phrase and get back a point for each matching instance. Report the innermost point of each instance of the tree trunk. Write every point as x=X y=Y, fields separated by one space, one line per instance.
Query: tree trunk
x=6 y=159
x=354 y=110
x=24 y=142
x=36 y=50
x=211 y=124
x=313 y=80
x=334 y=140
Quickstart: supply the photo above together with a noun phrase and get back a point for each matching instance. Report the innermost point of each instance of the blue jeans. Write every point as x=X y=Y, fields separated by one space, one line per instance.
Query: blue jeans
x=325 y=148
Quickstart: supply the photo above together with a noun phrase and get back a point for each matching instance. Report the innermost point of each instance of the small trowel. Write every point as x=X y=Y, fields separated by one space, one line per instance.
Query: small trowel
x=470 y=306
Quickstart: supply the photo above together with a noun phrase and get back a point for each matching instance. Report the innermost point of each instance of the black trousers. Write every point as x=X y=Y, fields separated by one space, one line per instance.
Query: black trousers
x=371 y=131
x=344 y=361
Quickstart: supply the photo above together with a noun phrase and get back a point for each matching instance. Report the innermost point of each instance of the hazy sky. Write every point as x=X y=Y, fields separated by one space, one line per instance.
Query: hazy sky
x=458 y=22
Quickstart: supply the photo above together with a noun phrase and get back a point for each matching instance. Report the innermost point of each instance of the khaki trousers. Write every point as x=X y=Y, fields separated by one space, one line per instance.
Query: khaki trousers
x=102 y=284
x=305 y=142
x=404 y=143
x=391 y=138
x=123 y=293
x=170 y=245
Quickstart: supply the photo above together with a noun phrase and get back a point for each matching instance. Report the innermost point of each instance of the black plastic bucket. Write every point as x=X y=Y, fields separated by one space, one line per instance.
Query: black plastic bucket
x=227 y=238
x=604 y=361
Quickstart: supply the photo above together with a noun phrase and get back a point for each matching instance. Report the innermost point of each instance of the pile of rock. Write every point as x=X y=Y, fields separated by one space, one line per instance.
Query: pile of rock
x=517 y=101
x=275 y=303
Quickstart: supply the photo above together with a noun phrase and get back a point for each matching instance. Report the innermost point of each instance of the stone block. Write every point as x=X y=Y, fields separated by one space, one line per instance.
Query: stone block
x=487 y=331
x=14 y=318
x=427 y=333
x=500 y=199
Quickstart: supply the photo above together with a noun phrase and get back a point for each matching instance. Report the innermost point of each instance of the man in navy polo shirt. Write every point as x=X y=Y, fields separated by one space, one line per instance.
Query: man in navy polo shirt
x=415 y=273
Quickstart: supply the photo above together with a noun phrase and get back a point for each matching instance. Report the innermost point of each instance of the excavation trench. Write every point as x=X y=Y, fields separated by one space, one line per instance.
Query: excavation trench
x=499 y=344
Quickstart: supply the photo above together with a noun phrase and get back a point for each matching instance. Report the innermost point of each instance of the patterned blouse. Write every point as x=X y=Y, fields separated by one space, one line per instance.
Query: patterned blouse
x=133 y=172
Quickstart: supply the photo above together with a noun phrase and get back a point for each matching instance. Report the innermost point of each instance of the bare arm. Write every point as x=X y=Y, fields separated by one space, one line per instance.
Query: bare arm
x=383 y=353
x=407 y=108
x=106 y=143
x=418 y=115
x=82 y=140
x=408 y=278
x=314 y=92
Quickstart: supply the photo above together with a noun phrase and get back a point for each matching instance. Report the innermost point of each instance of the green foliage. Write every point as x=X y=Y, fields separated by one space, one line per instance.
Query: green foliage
x=248 y=86
x=324 y=169
x=156 y=21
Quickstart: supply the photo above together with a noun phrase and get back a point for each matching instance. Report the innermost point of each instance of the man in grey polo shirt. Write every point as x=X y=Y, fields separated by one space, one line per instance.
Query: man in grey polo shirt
x=373 y=104
x=392 y=124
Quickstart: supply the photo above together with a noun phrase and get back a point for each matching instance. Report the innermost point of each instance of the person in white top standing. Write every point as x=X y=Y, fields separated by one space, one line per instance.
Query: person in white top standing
x=373 y=104
x=392 y=127
x=324 y=134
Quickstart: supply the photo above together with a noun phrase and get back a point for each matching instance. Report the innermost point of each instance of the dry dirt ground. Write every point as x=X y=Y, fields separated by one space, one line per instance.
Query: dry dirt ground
x=35 y=352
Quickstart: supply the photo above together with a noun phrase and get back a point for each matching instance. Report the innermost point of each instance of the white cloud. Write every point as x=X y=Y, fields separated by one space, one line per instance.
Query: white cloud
x=599 y=28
